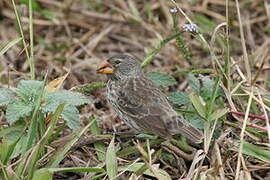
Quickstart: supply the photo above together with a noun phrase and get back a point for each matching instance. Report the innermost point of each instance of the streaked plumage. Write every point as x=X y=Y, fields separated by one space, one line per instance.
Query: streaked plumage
x=141 y=104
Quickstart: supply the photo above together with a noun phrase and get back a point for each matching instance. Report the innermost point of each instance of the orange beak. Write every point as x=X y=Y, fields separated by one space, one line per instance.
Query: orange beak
x=104 y=68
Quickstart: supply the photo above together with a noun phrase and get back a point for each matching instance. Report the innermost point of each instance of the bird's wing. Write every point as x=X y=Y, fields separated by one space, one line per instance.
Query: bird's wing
x=144 y=103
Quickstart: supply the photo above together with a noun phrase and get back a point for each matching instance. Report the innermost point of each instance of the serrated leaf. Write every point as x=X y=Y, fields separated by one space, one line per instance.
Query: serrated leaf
x=67 y=97
x=218 y=114
x=198 y=105
x=208 y=88
x=71 y=115
x=17 y=110
x=11 y=133
x=179 y=98
x=111 y=162
x=195 y=120
x=193 y=82
x=70 y=112
x=6 y=96
x=161 y=79
x=256 y=151
x=208 y=84
x=29 y=90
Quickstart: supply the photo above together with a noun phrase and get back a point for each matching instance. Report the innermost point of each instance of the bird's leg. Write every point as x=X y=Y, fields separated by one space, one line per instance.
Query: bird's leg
x=122 y=134
x=146 y=136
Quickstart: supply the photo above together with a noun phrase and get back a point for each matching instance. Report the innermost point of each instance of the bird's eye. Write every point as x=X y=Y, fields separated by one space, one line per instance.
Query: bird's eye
x=117 y=61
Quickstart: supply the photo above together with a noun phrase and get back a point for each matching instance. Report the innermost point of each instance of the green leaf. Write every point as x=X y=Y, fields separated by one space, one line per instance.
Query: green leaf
x=111 y=162
x=77 y=169
x=35 y=5
x=198 y=105
x=7 y=147
x=203 y=85
x=136 y=166
x=6 y=96
x=11 y=133
x=71 y=116
x=256 y=151
x=35 y=153
x=205 y=24
x=193 y=82
x=70 y=99
x=99 y=146
x=207 y=86
x=161 y=79
x=9 y=45
x=67 y=97
x=17 y=110
x=29 y=90
x=210 y=88
x=43 y=174
x=218 y=114
x=14 y=135
x=214 y=94
x=179 y=98
x=195 y=120
x=61 y=152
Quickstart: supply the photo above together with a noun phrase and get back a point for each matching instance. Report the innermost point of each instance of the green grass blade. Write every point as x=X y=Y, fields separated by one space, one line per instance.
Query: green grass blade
x=198 y=105
x=213 y=97
x=136 y=166
x=99 y=146
x=9 y=45
x=43 y=174
x=30 y=61
x=77 y=169
x=256 y=151
x=152 y=54
x=3 y=171
x=111 y=162
x=40 y=145
x=32 y=65
x=59 y=156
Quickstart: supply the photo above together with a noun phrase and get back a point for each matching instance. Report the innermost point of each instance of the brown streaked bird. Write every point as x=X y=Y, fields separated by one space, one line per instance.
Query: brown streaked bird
x=140 y=103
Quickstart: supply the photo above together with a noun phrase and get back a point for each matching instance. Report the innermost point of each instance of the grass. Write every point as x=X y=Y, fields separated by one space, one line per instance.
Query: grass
x=222 y=75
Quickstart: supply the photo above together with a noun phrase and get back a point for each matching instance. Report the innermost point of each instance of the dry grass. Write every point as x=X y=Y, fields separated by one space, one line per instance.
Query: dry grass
x=75 y=36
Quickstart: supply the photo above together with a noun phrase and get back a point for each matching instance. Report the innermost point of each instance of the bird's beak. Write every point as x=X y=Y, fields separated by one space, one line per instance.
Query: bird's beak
x=104 y=68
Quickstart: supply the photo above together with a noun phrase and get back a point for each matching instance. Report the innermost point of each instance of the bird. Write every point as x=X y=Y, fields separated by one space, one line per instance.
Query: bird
x=140 y=103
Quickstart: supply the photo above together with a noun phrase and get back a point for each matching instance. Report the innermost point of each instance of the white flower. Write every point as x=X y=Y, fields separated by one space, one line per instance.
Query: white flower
x=193 y=28
x=173 y=10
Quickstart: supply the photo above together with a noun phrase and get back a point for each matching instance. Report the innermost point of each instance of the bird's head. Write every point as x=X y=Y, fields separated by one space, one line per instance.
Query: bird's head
x=120 y=67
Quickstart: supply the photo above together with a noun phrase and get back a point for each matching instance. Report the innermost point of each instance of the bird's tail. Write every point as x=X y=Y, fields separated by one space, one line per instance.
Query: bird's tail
x=180 y=126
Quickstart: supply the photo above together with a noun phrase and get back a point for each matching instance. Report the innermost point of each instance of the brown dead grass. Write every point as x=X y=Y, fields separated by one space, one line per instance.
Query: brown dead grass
x=83 y=33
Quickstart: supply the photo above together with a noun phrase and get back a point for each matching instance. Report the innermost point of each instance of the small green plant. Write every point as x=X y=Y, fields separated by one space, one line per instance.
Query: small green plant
x=32 y=113
x=30 y=95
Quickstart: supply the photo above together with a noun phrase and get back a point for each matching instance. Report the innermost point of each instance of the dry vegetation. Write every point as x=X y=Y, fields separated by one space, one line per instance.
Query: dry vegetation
x=74 y=36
